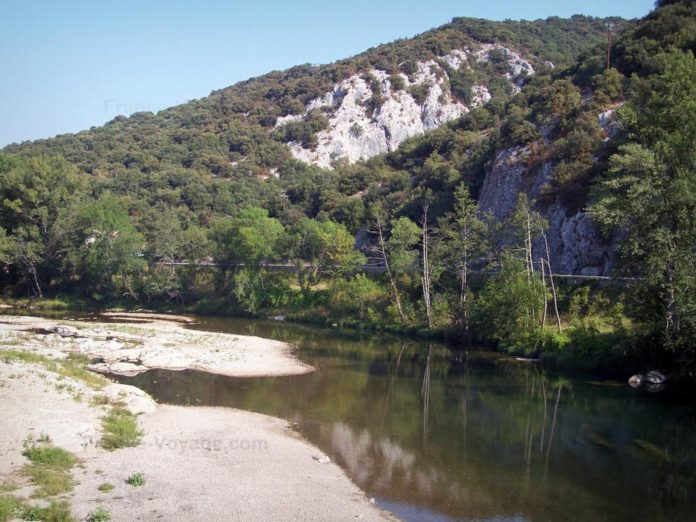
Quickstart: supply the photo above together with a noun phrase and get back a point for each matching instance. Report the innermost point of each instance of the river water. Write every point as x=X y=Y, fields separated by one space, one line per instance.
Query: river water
x=433 y=435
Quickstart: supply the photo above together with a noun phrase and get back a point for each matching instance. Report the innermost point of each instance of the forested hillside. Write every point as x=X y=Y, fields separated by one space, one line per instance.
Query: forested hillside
x=523 y=156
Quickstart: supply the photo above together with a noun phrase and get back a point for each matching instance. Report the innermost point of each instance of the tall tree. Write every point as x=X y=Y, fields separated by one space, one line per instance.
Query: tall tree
x=649 y=194
x=464 y=239
x=36 y=195
x=106 y=249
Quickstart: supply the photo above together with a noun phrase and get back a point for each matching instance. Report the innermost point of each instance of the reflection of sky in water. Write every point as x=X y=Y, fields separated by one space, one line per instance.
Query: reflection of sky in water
x=487 y=440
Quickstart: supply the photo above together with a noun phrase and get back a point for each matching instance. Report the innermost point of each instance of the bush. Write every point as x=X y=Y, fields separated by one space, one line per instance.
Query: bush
x=120 y=430
x=99 y=515
x=137 y=479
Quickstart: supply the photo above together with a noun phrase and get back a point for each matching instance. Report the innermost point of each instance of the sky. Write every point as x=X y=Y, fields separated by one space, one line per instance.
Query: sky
x=68 y=65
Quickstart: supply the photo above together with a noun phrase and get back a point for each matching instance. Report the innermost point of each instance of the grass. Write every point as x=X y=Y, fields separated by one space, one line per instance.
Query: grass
x=105 y=487
x=57 y=511
x=15 y=508
x=49 y=456
x=49 y=468
x=137 y=479
x=99 y=515
x=120 y=429
x=99 y=400
x=10 y=507
x=71 y=367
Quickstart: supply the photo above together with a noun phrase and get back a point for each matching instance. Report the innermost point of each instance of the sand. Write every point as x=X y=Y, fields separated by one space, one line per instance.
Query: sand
x=198 y=463
x=154 y=342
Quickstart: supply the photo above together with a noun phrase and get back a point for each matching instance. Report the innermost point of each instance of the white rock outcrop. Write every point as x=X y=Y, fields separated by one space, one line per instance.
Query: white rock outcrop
x=357 y=130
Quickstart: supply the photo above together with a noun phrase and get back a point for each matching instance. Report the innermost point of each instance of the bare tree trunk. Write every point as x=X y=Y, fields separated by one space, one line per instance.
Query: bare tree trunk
x=426 y=270
x=31 y=268
x=392 y=283
x=553 y=284
x=670 y=302
x=546 y=297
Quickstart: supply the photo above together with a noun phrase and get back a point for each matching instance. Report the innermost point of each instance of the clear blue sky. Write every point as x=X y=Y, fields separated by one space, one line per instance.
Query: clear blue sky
x=67 y=65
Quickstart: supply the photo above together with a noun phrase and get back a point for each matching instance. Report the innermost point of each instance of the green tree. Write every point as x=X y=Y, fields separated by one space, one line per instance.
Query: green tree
x=357 y=294
x=323 y=249
x=252 y=237
x=35 y=197
x=650 y=195
x=464 y=239
x=107 y=250
x=506 y=307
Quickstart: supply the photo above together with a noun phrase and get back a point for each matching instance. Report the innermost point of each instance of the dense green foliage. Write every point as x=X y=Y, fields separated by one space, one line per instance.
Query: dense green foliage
x=202 y=202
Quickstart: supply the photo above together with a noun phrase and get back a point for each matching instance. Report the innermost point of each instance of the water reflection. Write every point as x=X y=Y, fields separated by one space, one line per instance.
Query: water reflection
x=487 y=439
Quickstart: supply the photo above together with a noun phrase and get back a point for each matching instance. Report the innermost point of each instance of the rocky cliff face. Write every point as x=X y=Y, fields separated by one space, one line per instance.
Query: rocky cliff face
x=359 y=130
x=575 y=244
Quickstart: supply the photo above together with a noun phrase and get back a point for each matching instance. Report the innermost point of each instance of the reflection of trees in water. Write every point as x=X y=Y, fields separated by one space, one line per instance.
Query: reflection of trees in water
x=425 y=394
x=484 y=438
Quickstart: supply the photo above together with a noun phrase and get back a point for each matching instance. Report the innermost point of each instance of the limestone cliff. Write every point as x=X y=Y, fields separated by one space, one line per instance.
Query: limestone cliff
x=419 y=102
x=575 y=244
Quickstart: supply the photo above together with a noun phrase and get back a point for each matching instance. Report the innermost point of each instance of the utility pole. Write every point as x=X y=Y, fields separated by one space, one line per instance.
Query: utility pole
x=610 y=26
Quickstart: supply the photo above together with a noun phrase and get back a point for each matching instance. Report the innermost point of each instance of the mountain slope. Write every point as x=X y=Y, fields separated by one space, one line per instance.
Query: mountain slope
x=405 y=88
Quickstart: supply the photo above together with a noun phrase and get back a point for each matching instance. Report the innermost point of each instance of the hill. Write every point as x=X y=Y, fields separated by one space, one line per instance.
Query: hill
x=512 y=144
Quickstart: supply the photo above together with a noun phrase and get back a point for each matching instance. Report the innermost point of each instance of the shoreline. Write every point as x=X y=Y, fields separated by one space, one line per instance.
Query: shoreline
x=152 y=341
x=198 y=463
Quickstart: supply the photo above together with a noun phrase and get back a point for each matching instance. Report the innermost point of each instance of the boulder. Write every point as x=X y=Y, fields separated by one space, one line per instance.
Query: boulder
x=636 y=380
x=655 y=377
x=135 y=400
x=64 y=331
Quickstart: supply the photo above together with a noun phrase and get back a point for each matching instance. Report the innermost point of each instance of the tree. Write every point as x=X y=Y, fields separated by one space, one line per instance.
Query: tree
x=379 y=217
x=355 y=294
x=250 y=238
x=5 y=248
x=107 y=250
x=35 y=197
x=168 y=243
x=323 y=248
x=464 y=239
x=649 y=194
x=506 y=306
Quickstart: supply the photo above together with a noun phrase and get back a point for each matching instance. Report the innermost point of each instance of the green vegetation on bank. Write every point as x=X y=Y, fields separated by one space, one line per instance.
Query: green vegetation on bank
x=120 y=429
x=180 y=209
x=49 y=468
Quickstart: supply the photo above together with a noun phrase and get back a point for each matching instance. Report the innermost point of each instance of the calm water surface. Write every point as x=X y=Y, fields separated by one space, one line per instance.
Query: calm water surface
x=487 y=438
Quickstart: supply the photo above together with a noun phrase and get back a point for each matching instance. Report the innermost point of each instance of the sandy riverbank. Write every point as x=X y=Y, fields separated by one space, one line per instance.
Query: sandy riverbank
x=198 y=463
x=152 y=341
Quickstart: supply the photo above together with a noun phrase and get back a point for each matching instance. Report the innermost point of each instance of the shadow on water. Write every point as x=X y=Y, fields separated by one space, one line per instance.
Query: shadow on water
x=485 y=439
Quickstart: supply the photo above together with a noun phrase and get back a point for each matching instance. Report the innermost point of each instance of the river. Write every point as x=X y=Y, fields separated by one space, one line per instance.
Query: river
x=435 y=435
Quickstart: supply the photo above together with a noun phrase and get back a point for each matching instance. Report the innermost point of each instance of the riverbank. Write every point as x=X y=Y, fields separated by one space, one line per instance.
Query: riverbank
x=139 y=342
x=192 y=463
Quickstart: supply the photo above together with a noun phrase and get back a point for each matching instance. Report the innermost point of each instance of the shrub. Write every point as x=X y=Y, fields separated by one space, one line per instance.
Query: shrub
x=120 y=429
x=99 y=515
x=137 y=479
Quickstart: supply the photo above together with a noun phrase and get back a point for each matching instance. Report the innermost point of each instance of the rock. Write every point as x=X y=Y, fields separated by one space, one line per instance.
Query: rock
x=323 y=459
x=358 y=131
x=575 y=244
x=654 y=388
x=136 y=400
x=636 y=380
x=64 y=331
x=655 y=377
x=126 y=368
